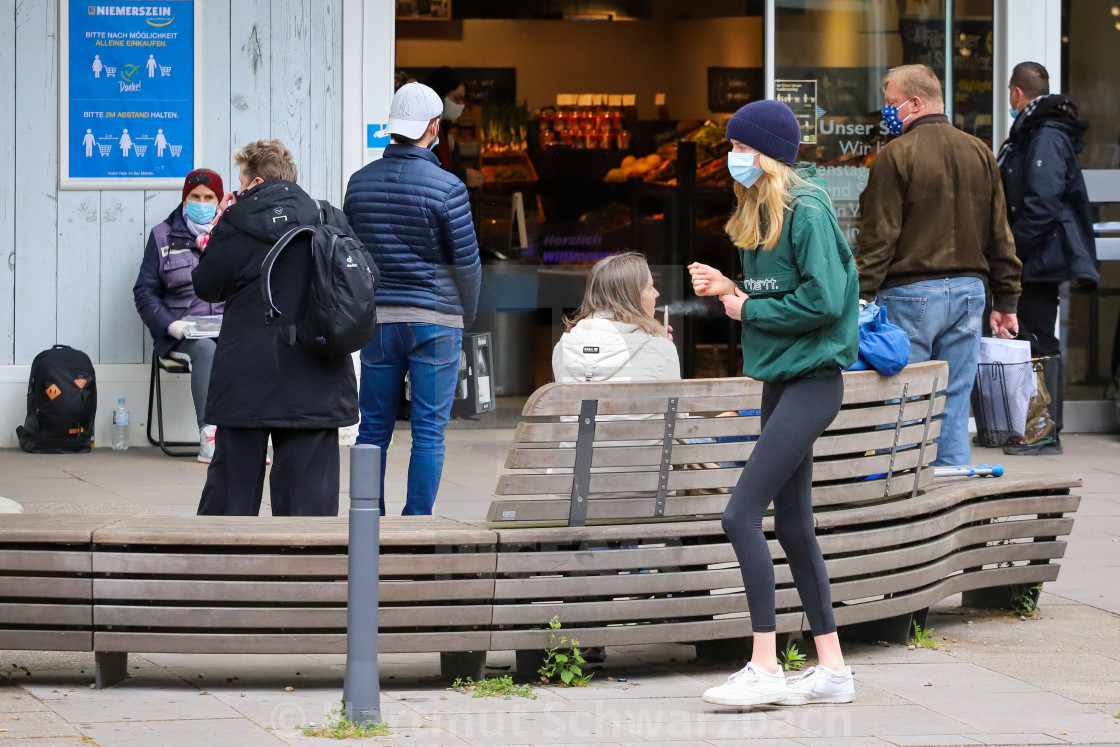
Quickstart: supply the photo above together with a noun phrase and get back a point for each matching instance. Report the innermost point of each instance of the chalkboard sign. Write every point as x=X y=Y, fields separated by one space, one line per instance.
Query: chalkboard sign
x=732 y=87
x=485 y=85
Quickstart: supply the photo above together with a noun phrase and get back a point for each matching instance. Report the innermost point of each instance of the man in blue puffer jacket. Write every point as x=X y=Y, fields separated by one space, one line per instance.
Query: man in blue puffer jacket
x=415 y=220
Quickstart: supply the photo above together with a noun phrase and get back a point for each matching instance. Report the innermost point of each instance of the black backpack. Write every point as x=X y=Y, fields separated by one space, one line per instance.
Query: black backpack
x=341 y=315
x=61 y=403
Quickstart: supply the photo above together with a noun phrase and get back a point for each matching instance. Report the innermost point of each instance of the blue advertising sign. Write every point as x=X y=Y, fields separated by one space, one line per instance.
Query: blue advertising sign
x=130 y=92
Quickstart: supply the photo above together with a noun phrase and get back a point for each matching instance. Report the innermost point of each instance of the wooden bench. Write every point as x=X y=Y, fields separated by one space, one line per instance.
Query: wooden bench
x=596 y=521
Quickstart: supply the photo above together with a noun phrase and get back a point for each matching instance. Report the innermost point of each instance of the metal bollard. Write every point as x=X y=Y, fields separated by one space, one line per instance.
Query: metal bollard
x=361 y=693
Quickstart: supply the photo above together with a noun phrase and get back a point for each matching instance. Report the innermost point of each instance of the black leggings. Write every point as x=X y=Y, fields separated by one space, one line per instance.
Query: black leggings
x=780 y=471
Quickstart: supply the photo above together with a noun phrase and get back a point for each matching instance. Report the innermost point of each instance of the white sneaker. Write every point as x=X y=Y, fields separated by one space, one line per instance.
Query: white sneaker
x=821 y=685
x=751 y=685
x=206 y=443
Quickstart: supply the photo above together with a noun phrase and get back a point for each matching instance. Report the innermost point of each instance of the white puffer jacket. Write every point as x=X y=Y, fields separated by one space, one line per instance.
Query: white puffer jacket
x=601 y=349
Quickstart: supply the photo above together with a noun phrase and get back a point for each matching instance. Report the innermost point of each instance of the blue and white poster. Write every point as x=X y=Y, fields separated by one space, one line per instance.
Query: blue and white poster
x=129 y=104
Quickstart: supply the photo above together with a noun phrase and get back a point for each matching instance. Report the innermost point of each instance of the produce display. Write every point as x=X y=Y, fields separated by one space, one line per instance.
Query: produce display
x=660 y=167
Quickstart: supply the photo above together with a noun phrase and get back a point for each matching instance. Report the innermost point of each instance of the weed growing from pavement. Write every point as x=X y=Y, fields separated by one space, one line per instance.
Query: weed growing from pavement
x=16 y=669
x=1024 y=599
x=923 y=636
x=791 y=659
x=493 y=687
x=563 y=663
x=338 y=726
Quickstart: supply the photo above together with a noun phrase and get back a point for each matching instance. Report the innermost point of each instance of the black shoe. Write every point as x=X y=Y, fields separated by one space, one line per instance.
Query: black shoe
x=594 y=654
x=1048 y=445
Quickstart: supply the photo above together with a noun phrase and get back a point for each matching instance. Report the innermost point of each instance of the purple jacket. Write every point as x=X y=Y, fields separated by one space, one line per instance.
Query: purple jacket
x=164 y=290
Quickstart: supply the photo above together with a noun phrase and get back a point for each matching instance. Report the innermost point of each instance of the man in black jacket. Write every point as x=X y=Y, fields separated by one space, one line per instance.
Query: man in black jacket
x=261 y=385
x=1048 y=209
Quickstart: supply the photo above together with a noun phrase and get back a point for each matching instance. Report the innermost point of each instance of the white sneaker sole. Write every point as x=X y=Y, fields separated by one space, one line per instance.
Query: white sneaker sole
x=756 y=700
x=803 y=700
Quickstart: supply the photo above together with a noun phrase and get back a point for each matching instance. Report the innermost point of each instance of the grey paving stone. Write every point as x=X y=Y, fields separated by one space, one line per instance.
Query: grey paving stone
x=36 y=724
x=748 y=743
x=167 y=705
x=15 y=699
x=142 y=687
x=548 y=727
x=736 y=724
x=910 y=681
x=433 y=702
x=843 y=742
x=631 y=711
x=864 y=654
x=666 y=684
x=1015 y=739
x=929 y=740
x=427 y=737
x=46 y=742
x=858 y=720
x=1109 y=737
x=1011 y=713
x=212 y=733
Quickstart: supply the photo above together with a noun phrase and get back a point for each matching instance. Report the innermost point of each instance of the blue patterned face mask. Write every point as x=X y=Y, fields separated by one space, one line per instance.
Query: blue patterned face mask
x=742 y=168
x=890 y=116
x=201 y=213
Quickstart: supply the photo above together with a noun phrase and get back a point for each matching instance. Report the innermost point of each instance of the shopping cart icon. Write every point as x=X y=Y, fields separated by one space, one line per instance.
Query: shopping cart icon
x=165 y=71
x=140 y=149
x=105 y=149
x=175 y=150
x=110 y=72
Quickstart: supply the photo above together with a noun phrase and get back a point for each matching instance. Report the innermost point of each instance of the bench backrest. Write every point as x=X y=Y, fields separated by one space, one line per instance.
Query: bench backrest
x=606 y=452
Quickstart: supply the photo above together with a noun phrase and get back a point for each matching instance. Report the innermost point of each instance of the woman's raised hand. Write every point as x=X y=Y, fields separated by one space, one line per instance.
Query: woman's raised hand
x=708 y=281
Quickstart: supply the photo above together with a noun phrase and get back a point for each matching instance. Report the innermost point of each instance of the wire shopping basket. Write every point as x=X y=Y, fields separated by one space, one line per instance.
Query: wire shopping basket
x=175 y=150
x=165 y=71
x=105 y=149
x=140 y=149
x=1013 y=401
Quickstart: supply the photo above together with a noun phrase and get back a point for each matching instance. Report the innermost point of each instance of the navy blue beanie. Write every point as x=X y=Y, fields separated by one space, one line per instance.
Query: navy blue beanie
x=769 y=127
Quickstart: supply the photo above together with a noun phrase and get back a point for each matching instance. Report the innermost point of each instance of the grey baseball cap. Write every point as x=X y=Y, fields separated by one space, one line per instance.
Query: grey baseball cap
x=414 y=107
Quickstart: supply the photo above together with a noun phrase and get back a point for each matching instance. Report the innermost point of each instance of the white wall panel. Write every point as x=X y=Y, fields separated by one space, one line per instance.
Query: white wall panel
x=291 y=80
x=250 y=60
x=213 y=150
x=36 y=183
x=324 y=178
x=79 y=258
x=7 y=196
x=122 y=248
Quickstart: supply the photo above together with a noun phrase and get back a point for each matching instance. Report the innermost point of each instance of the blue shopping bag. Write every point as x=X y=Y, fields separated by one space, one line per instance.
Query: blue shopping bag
x=883 y=346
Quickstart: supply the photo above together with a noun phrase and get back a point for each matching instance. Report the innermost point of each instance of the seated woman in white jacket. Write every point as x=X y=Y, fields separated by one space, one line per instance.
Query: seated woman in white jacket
x=613 y=336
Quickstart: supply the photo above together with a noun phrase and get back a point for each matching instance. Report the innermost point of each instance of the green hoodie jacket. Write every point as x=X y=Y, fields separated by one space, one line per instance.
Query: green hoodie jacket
x=801 y=319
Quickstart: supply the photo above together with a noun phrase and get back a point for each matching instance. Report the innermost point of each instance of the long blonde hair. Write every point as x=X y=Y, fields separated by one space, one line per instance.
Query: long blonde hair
x=757 y=222
x=614 y=291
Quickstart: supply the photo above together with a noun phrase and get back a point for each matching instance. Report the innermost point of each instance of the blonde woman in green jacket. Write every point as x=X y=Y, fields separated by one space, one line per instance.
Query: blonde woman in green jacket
x=798 y=303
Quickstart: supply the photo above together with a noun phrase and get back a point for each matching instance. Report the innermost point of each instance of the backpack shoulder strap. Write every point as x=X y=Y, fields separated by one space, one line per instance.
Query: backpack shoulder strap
x=270 y=260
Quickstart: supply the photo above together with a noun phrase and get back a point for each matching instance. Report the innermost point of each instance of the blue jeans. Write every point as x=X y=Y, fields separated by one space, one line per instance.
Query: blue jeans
x=943 y=319
x=429 y=354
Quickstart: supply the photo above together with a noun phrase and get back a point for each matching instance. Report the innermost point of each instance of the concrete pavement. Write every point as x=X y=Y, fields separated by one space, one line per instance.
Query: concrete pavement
x=993 y=680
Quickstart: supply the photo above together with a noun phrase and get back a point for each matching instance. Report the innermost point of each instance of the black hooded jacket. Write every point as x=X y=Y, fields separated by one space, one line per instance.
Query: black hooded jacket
x=1047 y=203
x=258 y=381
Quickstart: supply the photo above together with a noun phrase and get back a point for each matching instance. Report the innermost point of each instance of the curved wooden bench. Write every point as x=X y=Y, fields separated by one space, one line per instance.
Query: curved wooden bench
x=651 y=565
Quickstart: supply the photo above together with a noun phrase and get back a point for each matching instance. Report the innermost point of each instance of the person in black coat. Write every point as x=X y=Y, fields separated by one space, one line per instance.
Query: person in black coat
x=261 y=386
x=1049 y=214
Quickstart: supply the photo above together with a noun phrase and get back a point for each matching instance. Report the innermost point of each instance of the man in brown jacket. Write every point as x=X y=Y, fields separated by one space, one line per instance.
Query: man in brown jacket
x=934 y=232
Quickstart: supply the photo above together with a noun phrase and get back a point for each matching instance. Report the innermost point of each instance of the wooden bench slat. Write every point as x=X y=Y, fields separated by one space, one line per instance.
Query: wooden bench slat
x=451 y=616
x=46 y=614
x=637 y=480
x=606 y=455
x=61 y=561
x=112 y=589
x=285 y=531
x=284 y=643
x=207 y=564
x=16 y=639
x=739 y=392
x=39 y=587
x=52 y=529
x=713 y=427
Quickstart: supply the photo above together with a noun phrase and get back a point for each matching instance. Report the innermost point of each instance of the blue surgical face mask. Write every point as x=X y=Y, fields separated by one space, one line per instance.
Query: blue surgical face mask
x=742 y=168
x=1014 y=112
x=201 y=212
x=890 y=116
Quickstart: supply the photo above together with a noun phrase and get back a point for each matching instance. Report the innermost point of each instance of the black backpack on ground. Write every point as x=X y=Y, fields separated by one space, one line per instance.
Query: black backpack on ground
x=61 y=403
x=341 y=315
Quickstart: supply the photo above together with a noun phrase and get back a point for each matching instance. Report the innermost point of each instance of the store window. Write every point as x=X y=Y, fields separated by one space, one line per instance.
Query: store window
x=1091 y=79
x=839 y=53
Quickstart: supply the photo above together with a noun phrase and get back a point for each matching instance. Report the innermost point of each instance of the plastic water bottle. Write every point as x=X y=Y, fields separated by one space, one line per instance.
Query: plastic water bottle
x=120 y=426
